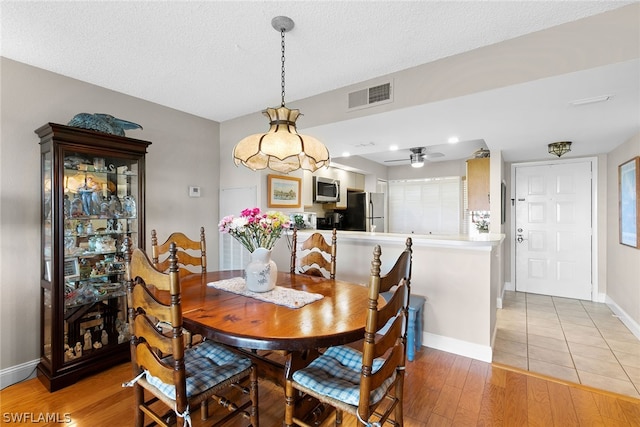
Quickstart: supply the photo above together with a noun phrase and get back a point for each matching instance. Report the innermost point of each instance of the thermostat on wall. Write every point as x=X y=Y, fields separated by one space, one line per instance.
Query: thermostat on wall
x=194 y=191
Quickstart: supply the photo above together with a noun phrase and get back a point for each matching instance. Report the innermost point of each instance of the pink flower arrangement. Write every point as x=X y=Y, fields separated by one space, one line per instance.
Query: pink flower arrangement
x=255 y=229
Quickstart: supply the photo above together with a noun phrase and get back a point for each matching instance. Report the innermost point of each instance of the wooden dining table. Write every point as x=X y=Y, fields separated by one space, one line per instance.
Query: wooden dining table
x=242 y=321
x=258 y=328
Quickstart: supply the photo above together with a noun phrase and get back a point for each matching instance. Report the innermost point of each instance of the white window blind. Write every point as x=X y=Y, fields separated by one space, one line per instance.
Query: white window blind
x=426 y=206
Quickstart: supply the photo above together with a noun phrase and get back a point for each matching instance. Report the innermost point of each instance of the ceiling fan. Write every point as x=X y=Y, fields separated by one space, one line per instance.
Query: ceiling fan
x=418 y=156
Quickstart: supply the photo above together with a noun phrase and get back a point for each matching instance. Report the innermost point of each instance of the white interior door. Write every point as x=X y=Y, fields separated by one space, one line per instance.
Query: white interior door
x=553 y=229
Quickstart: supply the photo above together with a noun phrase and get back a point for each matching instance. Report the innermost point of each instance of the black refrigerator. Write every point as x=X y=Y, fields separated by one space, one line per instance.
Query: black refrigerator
x=365 y=212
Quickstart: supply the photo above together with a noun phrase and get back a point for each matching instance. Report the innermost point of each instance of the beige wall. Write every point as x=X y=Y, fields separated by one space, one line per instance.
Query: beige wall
x=184 y=151
x=623 y=262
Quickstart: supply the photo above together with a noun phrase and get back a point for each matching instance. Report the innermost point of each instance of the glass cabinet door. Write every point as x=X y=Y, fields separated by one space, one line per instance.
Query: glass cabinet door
x=100 y=210
x=47 y=254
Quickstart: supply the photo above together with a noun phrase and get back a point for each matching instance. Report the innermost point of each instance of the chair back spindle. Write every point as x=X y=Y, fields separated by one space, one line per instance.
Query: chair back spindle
x=191 y=254
x=317 y=257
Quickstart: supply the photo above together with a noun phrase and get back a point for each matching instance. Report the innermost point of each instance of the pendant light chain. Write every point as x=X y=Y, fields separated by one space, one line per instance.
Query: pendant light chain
x=281 y=148
x=282 y=31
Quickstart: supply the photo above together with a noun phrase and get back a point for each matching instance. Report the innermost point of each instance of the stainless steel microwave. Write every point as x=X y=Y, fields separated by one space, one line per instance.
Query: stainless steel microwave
x=326 y=190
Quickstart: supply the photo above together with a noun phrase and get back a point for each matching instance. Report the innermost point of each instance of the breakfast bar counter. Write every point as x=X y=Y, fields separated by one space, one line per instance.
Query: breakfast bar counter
x=459 y=275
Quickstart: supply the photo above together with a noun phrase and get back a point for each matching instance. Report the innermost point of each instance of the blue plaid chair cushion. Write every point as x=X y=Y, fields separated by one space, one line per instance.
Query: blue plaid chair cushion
x=337 y=374
x=207 y=365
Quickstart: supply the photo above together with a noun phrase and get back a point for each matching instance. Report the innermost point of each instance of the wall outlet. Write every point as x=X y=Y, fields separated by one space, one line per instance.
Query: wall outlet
x=194 y=191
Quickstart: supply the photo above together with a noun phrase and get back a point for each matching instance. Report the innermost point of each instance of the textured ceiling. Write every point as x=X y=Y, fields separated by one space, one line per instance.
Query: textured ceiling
x=221 y=59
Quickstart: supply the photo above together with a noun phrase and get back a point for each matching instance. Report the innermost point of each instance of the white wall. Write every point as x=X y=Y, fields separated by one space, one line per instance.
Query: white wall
x=184 y=151
x=429 y=170
x=623 y=262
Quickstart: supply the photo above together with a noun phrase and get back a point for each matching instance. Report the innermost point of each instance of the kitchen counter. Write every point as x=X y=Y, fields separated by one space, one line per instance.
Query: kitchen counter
x=460 y=276
x=478 y=240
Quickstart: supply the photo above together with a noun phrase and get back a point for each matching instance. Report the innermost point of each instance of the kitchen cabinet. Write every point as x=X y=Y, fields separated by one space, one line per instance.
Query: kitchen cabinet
x=358 y=181
x=478 y=184
x=348 y=181
x=92 y=187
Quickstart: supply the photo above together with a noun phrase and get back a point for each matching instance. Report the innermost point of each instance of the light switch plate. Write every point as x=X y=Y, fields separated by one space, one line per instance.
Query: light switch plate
x=194 y=191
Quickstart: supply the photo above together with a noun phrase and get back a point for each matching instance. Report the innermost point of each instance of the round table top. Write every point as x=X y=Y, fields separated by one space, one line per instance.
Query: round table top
x=338 y=318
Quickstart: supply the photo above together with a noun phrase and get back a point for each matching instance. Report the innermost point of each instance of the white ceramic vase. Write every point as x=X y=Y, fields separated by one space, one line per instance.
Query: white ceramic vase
x=261 y=272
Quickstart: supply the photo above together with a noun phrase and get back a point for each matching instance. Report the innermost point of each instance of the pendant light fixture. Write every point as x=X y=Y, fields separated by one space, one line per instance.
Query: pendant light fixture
x=559 y=148
x=281 y=148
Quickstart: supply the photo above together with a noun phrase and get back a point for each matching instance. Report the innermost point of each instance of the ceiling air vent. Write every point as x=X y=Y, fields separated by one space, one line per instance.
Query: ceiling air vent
x=375 y=95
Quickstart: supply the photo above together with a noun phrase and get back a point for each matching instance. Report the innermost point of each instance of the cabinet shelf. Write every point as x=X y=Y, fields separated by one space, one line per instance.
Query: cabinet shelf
x=72 y=171
x=97 y=217
x=96 y=276
x=100 y=233
x=86 y=214
x=97 y=298
x=90 y=254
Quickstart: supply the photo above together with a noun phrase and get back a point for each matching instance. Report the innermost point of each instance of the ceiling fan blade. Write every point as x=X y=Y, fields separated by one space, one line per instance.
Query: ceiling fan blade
x=397 y=160
x=433 y=155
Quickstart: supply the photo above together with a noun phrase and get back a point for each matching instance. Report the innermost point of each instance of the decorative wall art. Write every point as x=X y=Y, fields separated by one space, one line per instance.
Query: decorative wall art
x=284 y=191
x=629 y=199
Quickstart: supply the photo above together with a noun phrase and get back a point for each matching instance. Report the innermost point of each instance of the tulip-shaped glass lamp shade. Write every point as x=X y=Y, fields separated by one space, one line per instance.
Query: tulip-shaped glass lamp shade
x=281 y=148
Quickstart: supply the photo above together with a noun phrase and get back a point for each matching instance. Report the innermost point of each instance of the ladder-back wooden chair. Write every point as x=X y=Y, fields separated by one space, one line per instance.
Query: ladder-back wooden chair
x=180 y=378
x=192 y=258
x=192 y=254
x=401 y=270
x=367 y=384
x=317 y=256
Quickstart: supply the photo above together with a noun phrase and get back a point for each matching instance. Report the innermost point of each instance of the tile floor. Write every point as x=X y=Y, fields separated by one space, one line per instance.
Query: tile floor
x=574 y=340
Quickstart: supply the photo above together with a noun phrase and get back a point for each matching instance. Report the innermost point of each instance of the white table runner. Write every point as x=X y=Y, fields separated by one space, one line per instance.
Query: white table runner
x=287 y=297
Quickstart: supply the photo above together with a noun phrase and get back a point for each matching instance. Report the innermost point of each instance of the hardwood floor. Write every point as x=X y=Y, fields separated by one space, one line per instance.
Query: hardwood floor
x=441 y=389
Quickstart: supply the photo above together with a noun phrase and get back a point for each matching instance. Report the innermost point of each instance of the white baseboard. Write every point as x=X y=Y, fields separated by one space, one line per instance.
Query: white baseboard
x=455 y=346
x=17 y=373
x=506 y=287
x=633 y=326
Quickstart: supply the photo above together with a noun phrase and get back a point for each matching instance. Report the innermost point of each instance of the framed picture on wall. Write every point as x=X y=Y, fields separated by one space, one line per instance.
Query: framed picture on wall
x=629 y=200
x=284 y=191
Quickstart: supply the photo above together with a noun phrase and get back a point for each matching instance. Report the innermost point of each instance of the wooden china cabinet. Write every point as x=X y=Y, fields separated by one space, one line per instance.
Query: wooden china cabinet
x=92 y=198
